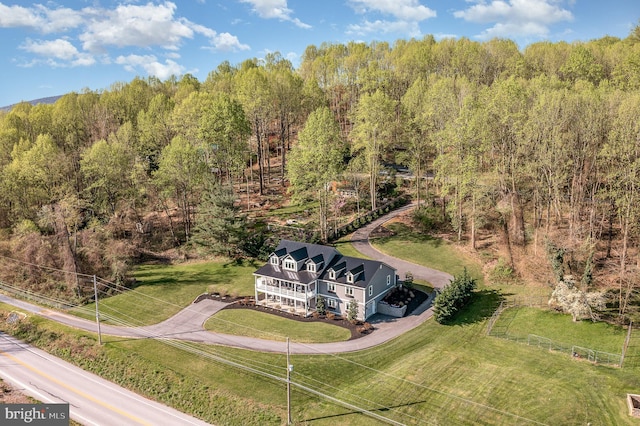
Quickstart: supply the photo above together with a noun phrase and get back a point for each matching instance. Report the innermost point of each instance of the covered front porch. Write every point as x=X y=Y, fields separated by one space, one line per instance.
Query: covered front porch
x=287 y=296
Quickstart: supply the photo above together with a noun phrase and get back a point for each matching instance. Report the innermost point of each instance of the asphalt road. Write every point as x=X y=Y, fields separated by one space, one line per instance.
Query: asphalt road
x=92 y=400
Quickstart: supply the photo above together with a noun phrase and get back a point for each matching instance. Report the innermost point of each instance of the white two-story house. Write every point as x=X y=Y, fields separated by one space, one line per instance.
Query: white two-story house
x=297 y=274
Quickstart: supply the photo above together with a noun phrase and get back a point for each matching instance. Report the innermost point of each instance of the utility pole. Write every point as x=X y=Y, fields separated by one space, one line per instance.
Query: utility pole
x=95 y=293
x=289 y=370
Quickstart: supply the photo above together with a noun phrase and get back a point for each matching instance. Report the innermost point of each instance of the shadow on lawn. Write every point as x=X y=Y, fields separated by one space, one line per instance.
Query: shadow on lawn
x=374 y=410
x=482 y=305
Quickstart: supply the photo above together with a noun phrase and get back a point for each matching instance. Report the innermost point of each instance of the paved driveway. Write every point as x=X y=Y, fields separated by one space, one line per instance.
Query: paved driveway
x=360 y=240
x=187 y=325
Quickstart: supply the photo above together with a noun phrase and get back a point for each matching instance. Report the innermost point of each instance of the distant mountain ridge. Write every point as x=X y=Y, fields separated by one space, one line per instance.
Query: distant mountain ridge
x=49 y=100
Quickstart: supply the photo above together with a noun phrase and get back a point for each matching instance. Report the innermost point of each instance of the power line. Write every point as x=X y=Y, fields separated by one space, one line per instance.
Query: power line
x=136 y=324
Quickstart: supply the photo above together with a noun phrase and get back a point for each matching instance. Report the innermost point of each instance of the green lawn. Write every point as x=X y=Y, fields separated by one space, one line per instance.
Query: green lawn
x=427 y=251
x=561 y=329
x=245 y=322
x=163 y=290
x=435 y=374
x=344 y=246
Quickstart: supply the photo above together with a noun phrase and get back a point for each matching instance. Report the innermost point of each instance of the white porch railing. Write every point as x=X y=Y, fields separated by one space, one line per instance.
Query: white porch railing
x=300 y=295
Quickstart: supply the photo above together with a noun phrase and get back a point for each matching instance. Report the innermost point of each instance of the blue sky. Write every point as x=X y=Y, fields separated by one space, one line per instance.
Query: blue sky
x=50 y=48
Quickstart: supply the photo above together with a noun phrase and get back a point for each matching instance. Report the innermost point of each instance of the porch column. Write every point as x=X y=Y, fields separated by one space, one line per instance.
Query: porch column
x=306 y=300
x=255 y=287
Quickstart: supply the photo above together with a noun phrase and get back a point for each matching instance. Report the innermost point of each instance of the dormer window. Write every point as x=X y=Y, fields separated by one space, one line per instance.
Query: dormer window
x=289 y=265
x=349 y=277
x=332 y=274
x=274 y=260
x=311 y=267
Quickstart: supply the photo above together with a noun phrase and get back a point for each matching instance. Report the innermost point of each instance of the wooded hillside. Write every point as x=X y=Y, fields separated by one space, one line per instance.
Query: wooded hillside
x=539 y=146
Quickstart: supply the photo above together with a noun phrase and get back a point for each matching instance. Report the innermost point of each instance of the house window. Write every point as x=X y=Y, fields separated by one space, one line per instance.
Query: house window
x=332 y=274
x=331 y=303
x=311 y=267
x=388 y=279
x=348 y=291
x=349 y=277
x=290 y=265
x=370 y=290
x=274 y=260
x=331 y=287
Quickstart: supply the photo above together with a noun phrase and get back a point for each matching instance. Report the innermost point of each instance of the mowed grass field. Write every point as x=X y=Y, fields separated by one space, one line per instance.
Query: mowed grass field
x=599 y=336
x=161 y=291
x=245 y=322
x=425 y=250
x=434 y=374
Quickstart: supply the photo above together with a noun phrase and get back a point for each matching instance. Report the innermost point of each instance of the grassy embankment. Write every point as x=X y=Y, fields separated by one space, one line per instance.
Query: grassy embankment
x=163 y=290
x=435 y=374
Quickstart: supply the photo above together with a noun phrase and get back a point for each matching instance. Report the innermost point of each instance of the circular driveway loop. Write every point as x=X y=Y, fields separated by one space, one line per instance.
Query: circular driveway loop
x=188 y=324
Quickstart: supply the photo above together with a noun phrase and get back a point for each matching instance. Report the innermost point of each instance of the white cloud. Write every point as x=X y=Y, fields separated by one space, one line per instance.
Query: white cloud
x=39 y=18
x=412 y=29
x=98 y=30
x=226 y=42
x=275 y=9
x=130 y=25
x=150 y=64
x=404 y=10
x=60 y=19
x=515 y=17
x=54 y=51
x=59 y=48
x=406 y=14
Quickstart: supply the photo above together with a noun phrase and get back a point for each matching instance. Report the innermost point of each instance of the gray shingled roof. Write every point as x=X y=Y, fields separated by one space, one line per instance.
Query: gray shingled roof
x=362 y=269
x=299 y=254
x=298 y=251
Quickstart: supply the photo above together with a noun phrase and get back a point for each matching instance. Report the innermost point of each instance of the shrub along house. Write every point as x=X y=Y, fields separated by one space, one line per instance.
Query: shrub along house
x=297 y=274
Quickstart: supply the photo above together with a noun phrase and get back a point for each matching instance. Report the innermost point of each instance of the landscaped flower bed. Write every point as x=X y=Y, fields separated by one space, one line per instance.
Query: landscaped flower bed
x=399 y=296
x=401 y=301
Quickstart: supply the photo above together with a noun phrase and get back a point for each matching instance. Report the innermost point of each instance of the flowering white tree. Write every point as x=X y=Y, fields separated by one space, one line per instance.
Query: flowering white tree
x=580 y=304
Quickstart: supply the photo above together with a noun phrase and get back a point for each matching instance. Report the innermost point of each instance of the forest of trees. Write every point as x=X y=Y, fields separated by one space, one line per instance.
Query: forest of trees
x=539 y=144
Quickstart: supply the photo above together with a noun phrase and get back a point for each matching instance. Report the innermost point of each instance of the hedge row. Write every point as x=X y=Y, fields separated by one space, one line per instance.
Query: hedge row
x=361 y=221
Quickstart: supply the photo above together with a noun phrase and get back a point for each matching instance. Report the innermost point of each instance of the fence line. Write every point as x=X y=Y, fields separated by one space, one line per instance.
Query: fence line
x=592 y=355
x=516 y=302
x=625 y=346
x=494 y=317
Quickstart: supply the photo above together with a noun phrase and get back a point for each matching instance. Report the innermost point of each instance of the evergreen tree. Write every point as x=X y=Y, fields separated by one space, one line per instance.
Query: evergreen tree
x=220 y=229
x=453 y=297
